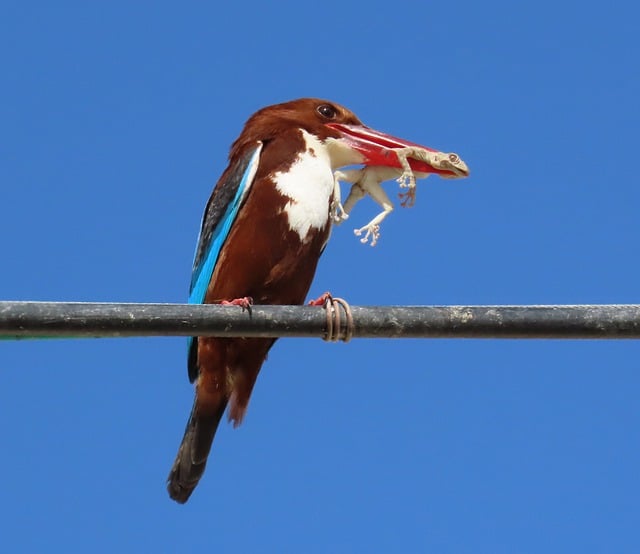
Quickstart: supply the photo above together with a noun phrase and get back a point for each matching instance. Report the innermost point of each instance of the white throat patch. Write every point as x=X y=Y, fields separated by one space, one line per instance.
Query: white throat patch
x=309 y=186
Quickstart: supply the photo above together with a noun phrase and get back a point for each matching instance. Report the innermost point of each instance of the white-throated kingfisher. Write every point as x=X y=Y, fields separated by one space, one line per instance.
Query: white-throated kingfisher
x=263 y=231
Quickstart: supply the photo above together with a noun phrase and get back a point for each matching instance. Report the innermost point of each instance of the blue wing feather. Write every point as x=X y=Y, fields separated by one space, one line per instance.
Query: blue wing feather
x=214 y=233
x=221 y=212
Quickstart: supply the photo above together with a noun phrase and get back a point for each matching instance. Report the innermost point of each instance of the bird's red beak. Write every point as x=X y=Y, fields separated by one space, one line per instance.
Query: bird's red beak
x=378 y=149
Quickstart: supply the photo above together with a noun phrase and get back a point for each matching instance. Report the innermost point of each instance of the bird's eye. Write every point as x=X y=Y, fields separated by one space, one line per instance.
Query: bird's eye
x=327 y=110
x=453 y=158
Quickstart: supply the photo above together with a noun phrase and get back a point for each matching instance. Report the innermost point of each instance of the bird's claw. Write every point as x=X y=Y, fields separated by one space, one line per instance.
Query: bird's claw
x=321 y=300
x=245 y=303
x=332 y=306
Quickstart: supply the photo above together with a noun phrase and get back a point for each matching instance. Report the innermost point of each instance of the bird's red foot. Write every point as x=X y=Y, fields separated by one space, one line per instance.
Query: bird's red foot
x=321 y=300
x=333 y=307
x=245 y=303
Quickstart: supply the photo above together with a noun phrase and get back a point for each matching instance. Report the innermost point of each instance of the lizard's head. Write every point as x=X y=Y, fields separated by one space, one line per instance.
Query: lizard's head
x=452 y=163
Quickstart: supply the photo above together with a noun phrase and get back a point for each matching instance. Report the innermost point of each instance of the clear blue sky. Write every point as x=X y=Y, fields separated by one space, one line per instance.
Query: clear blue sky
x=115 y=122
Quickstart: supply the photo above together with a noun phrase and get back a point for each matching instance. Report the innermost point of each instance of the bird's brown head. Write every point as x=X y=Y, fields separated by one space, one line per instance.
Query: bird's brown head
x=311 y=114
x=348 y=139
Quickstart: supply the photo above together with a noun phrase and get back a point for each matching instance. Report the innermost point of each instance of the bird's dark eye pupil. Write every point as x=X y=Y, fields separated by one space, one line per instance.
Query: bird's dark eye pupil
x=327 y=111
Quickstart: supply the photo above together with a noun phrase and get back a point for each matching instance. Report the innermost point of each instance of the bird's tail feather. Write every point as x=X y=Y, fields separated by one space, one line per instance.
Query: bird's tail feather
x=192 y=454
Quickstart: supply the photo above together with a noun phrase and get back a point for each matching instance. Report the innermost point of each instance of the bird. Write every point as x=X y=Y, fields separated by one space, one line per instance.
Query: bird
x=263 y=231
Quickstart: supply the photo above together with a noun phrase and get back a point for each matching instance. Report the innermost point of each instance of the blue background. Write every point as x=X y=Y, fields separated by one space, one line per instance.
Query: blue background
x=116 y=119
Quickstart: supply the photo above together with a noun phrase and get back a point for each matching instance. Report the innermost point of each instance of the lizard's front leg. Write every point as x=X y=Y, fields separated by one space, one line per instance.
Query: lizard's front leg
x=408 y=179
x=448 y=162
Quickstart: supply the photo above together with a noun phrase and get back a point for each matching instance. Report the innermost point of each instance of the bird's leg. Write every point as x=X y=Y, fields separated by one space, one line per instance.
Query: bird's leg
x=245 y=303
x=321 y=300
x=333 y=307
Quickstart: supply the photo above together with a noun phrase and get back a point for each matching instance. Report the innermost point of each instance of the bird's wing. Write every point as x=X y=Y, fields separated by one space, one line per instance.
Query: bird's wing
x=219 y=215
x=221 y=212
